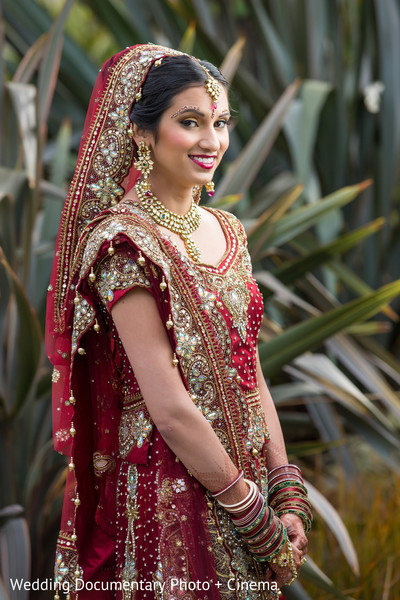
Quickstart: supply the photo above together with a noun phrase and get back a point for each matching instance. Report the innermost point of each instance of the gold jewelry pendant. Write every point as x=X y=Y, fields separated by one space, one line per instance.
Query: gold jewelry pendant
x=144 y=164
x=210 y=188
x=183 y=225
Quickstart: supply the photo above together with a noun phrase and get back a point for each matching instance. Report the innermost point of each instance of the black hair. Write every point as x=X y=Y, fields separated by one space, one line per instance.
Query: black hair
x=163 y=82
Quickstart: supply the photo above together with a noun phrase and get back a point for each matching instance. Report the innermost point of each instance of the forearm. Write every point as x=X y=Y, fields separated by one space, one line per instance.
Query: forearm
x=191 y=437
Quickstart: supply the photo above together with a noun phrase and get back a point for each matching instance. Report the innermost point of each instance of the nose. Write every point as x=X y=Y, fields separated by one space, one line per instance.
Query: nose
x=209 y=140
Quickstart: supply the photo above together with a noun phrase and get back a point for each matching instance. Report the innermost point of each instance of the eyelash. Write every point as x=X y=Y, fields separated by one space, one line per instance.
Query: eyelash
x=187 y=123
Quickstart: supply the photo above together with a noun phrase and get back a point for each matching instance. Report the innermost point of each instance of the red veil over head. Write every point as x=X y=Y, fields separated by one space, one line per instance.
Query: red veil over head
x=104 y=172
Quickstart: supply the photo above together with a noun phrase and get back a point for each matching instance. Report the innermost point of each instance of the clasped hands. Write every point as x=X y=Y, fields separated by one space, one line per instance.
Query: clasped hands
x=283 y=575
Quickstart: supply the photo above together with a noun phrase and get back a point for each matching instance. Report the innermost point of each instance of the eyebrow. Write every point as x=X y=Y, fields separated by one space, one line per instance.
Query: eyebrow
x=185 y=109
x=190 y=109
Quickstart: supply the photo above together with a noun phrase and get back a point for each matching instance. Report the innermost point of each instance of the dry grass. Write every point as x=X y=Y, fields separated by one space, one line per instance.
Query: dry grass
x=370 y=507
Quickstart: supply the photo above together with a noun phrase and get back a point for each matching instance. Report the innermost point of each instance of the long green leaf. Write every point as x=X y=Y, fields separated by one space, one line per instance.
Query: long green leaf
x=7 y=232
x=59 y=168
x=27 y=21
x=313 y=573
x=305 y=217
x=388 y=35
x=354 y=282
x=30 y=61
x=332 y=519
x=303 y=337
x=319 y=369
x=281 y=64
x=129 y=26
x=366 y=373
x=384 y=359
x=232 y=59
x=15 y=548
x=244 y=169
x=3 y=593
x=301 y=125
x=297 y=268
x=23 y=96
x=51 y=63
x=28 y=342
x=385 y=445
x=188 y=39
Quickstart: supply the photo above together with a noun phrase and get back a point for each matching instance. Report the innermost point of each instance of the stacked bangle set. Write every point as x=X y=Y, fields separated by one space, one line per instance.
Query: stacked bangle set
x=258 y=522
x=287 y=494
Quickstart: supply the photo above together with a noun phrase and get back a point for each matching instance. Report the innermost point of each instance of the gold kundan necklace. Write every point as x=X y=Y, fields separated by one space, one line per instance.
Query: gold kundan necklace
x=183 y=225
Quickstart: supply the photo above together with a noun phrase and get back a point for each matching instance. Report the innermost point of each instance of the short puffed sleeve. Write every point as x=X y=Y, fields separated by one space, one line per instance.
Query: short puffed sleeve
x=123 y=270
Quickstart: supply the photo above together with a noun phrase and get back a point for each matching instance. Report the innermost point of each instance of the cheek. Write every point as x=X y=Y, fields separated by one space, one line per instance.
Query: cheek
x=224 y=140
x=175 y=139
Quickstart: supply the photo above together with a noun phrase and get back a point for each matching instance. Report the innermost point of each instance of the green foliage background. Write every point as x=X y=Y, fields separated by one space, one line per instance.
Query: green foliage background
x=315 y=88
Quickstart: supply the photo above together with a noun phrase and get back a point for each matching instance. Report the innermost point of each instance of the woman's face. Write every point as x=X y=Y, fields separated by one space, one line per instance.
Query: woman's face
x=191 y=139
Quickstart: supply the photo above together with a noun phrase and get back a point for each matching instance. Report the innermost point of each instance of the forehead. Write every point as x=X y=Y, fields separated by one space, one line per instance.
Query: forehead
x=197 y=95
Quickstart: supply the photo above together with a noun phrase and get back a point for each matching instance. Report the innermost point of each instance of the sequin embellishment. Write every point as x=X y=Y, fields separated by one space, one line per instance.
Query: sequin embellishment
x=129 y=572
x=134 y=430
x=117 y=273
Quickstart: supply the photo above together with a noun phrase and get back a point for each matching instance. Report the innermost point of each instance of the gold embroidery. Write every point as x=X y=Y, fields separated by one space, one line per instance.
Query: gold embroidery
x=235 y=567
x=232 y=286
x=66 y=565
x=84 y=316
x=129 y=572
x=119 y=272
x=55 y=375
x=175 y=559
x=236 y=298
x=103 y=463
x=134 y=430
x=109 y=149
x=112 y=226
x=254 y=424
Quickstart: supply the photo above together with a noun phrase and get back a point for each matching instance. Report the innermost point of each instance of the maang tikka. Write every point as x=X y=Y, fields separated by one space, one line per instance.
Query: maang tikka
x=213 y=89
x=144 y=164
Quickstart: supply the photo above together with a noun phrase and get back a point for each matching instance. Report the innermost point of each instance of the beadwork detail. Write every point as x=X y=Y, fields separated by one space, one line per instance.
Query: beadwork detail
x=66 y=563
x=129 y=573
x=103 y=464
x=110 y=152
x=119 y=272
x=55 y=376
x=84 y=317
x=134 y=430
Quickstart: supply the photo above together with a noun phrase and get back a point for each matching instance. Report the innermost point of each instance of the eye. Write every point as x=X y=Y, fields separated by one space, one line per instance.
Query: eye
x=221 y=123
x=189 y=123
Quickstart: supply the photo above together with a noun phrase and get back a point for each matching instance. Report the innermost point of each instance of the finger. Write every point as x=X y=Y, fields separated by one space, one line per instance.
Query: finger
x=299 y=540
x=297 y=557
x=282 y=574
x=302 y=543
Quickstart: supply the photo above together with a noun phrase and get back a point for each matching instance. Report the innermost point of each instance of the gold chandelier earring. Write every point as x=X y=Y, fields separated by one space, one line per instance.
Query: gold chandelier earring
x=144 y=164
x=210 y=188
